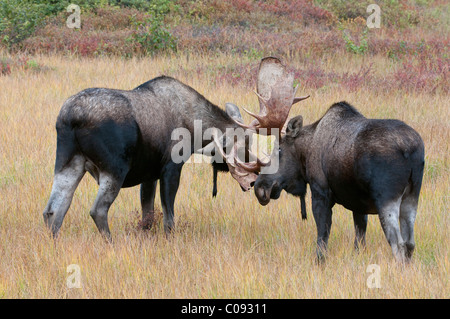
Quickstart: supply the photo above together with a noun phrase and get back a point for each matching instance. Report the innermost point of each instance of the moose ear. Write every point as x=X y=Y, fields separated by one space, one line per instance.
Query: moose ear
x=294 y=126
x=233 y=111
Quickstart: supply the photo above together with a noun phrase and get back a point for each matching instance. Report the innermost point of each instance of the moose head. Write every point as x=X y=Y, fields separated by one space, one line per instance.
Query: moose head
x=276 y=95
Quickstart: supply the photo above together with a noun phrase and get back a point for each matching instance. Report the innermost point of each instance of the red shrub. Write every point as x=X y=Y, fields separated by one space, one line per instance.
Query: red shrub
x=242 y=5
x=85 y=45
x=315 y=77
x=427 y=74
x=297 y=9
x=242 y=75
x=354 y=81
x=5 y=67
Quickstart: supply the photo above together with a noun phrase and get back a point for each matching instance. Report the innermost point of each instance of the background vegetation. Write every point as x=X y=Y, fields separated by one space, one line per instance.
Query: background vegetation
x=229 y=246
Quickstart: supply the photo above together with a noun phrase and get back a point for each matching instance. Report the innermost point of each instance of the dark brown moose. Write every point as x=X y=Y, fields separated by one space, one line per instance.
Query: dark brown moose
x=125 y=138
x=370 y=166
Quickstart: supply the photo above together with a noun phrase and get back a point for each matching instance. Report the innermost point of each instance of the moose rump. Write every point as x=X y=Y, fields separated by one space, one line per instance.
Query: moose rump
x=97 y=133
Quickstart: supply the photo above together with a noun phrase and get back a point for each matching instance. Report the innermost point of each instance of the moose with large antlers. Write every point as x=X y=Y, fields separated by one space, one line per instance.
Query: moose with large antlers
x=370 y=166
x=124 y=138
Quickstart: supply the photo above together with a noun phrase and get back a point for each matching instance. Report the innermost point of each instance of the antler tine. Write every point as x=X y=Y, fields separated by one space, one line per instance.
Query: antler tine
x=219 y=146
x=301 y=98
x=261 y=98
x=256 y=116
x=262 y=112
x=254 y=166
x=227 y=157
x=247 y=127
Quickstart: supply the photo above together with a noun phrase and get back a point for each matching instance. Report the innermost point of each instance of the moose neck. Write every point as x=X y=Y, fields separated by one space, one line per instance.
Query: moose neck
x=210 y=116
x=303 y=146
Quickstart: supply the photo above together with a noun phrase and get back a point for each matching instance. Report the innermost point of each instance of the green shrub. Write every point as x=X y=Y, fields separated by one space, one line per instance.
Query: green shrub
x=151 y=34
x=142 y=5
x=53 y=7
x=352 y=47
x=18 y=20
x=399 y=13
x=346 y=9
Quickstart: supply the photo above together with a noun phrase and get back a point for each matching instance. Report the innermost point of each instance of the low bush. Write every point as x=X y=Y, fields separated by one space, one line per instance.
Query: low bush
x=151 y=37
x=5 y=66
x=398 y=13
x=18 y=20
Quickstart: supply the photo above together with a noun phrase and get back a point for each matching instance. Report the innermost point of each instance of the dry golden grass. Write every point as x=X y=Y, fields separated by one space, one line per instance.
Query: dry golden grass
x=228 y=247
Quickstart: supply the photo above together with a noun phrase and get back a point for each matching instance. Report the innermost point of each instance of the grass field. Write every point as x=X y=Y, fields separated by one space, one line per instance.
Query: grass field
x=228 y=247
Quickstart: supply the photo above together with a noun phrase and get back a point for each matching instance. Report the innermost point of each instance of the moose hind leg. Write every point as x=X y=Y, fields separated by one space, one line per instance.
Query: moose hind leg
x=408 y=211
x=66 y=179
x=389 y=218
x=108 y=190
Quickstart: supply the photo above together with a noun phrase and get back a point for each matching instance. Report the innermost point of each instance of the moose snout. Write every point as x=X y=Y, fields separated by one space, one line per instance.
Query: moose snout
x=262 y=193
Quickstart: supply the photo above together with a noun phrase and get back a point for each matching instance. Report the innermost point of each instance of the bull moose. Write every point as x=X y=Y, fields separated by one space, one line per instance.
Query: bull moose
x=370 y=166
x=123 y=138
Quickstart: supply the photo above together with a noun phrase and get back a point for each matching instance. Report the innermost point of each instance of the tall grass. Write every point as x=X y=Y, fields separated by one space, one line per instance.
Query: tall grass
x=222 y=248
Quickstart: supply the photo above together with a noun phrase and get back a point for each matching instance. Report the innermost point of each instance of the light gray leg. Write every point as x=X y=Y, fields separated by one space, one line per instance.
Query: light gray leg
x=408 y=211
x=64 y=184
x=107 y=193
x=389 y=216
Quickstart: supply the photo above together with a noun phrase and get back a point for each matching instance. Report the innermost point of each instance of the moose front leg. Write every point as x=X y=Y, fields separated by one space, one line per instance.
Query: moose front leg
x=169 y=182
x=321 y=207
x=303 y=207
x=360 y=221
x=214 y=193
x=148 y=192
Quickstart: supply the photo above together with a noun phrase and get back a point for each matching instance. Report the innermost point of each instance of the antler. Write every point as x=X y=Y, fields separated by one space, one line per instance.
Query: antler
x=275 y=95
x=232 y=157
x=244 y=173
